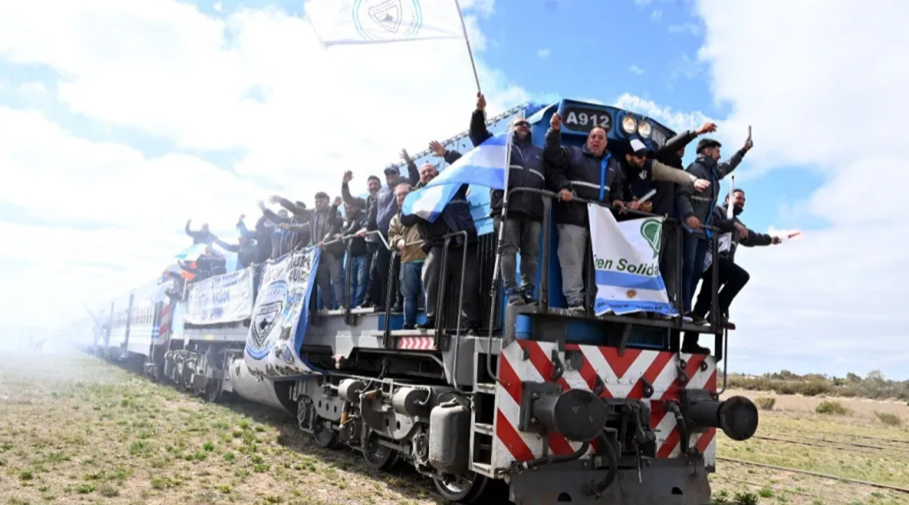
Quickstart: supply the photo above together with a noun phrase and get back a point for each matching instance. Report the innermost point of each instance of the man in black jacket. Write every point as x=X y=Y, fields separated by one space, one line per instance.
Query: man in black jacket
x=247 y=250
x=589 y=172
x=527 y=169
x=287 y=233
x=368 y=208
x=324 y=227
x=696 y=211
x=357 y=252
x=199 y=237
x=671 y=154
x=455 y=217
x=732 y=278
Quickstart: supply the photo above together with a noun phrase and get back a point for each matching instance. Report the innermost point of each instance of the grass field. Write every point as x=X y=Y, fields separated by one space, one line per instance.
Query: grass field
x=74 y=429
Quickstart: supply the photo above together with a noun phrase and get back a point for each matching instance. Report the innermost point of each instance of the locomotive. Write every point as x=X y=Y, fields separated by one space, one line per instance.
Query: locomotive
x=560 y=406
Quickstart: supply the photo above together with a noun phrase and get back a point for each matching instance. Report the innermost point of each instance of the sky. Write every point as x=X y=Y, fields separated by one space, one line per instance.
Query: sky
x=121 y=120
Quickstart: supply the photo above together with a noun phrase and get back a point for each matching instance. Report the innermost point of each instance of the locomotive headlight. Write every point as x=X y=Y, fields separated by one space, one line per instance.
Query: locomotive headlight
x=629 y=124
x=644 y=129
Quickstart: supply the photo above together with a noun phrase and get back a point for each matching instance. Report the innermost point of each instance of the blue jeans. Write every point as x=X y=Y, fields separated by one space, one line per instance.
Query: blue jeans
x=410 y=288
x=695 y=250
x=359 y=279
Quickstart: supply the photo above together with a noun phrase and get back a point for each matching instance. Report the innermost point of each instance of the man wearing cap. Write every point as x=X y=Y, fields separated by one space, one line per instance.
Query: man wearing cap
x=671 y=153
x=386 y=208
x=640 y=173
x=527 y=169
x=697 y=210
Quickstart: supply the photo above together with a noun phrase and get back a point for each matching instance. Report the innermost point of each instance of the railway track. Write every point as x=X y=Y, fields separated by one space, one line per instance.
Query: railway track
x=815 y=474
x=836 y=444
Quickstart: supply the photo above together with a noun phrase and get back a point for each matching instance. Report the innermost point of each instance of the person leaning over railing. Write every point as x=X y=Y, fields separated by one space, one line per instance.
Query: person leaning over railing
x=455 y=217
x=412 y=258
x=696 y=210
x=527 y=169
x=589 y=172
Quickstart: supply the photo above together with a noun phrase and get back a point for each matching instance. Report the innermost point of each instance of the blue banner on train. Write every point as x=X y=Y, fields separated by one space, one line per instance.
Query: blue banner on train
x=226 y=298
x=281 y=315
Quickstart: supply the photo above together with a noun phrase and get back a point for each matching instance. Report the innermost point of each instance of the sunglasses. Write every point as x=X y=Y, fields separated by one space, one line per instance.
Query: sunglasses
x=522 y=123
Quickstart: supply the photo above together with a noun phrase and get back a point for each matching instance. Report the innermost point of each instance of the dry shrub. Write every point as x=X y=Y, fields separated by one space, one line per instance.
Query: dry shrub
x=765 y=403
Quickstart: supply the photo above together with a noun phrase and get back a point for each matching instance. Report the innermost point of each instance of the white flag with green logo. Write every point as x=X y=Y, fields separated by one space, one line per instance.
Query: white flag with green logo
x=374 y=21
x=627 y=264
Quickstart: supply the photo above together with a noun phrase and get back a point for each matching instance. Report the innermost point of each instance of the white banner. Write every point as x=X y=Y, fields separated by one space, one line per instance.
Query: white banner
x=226 y=298
x=373 y=21
x=627 y=263
x=281 y=316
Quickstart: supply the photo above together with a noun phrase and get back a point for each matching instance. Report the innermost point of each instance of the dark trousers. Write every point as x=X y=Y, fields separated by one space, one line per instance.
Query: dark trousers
x=328 y=278
x=695 y=251
x=432 y=281
x=372 y=290
x=669 y=256
x=732 y=278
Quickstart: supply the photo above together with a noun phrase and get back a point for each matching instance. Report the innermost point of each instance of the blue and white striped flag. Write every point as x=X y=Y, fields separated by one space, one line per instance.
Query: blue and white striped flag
x=484 y=166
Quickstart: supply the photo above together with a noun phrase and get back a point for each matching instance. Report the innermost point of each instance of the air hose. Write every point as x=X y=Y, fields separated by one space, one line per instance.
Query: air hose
x=606 y=449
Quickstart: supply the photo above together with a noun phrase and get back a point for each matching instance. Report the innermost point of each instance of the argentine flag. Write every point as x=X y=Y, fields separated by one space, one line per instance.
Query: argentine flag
x=484 y=165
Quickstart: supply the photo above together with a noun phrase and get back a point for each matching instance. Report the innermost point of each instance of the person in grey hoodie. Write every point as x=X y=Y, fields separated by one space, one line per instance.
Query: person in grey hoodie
x=697 y=210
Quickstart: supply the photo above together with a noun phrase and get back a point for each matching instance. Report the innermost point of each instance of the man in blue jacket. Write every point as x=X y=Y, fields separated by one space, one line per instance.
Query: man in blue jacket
x=527 y=169
x=697 y=210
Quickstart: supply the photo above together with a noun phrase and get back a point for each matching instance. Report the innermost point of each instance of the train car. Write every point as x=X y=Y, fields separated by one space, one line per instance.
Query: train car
x=558 y=405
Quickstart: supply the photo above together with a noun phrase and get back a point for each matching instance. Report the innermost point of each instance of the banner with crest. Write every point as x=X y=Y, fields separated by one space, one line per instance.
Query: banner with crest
x=627 y=263
x=280 y=317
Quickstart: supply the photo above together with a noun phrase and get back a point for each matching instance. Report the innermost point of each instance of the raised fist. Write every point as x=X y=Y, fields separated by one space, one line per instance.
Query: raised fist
x=556 y=122
x=481 y=101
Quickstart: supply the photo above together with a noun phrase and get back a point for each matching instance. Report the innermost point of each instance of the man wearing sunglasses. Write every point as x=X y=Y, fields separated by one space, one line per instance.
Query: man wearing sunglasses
x=640 y=173
x=527 y=170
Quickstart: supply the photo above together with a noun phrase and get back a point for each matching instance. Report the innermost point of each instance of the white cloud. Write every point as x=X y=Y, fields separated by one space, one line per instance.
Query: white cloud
x=656 y=15
x=690 y=28
x=834 y=293
x=636 y=70
x=677 y=121
x=169 y=70
x=543 y=53
x=253 y=86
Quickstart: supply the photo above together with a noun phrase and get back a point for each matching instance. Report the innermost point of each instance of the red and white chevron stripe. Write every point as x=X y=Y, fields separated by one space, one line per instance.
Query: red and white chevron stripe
x=622 y=377
x=415 y=343
x=164 y=324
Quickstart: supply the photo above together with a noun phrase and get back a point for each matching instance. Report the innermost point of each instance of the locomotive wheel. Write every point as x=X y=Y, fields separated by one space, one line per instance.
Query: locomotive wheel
x=379 y=456
x=324 y=436
x=213 y=388
x=468 y=488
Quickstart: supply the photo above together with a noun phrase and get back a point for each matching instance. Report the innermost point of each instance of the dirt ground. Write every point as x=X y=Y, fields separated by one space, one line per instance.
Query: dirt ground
x=74 y=429
x=854 y=445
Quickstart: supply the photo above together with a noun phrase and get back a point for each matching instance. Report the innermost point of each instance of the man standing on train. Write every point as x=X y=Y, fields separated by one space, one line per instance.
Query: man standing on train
x=455 y=217
x=373 y=242
x=527 y=169
x=732 y=278
x=671 y=154
x=589 y=172
x=698 y=210
x=386 y=208
x=640 y=175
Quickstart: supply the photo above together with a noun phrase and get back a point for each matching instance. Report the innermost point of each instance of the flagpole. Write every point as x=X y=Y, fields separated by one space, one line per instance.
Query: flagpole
x=469 y=51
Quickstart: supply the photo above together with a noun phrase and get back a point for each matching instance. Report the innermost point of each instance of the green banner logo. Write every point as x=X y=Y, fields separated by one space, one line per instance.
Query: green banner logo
x=652 y=231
